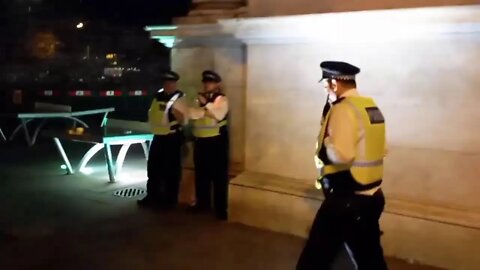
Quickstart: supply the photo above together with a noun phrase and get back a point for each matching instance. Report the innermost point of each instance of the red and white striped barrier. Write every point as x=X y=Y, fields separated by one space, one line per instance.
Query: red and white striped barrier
x=48 y=93
x=90 y=93
x=80 y=93
x=138 y=93
x=111 y=93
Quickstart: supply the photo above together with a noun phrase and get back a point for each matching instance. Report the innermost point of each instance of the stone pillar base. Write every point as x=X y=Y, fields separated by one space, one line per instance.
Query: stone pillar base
x=289 y=206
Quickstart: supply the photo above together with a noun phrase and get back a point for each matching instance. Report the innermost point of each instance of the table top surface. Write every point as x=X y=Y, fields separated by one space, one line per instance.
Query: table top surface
x=100 y=135
x=55 y=114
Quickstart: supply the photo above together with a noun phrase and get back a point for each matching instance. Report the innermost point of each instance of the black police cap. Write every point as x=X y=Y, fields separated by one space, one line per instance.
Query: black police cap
x=338 y=70
x=170 y=76
x=211 y=76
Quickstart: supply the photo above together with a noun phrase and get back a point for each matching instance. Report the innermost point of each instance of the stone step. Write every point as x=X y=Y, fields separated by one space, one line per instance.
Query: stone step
x=289 y=206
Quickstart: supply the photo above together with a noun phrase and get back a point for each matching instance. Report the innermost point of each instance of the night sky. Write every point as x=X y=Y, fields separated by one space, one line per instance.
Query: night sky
x=110 y=26
x=132 y=12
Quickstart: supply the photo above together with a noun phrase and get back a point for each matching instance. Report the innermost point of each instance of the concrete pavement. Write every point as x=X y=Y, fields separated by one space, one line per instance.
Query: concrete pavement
x=54 y=221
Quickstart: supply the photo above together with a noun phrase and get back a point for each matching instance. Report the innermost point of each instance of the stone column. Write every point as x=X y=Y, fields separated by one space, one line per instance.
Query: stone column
x=210 y=11
x=205 y=46
x=198 y=43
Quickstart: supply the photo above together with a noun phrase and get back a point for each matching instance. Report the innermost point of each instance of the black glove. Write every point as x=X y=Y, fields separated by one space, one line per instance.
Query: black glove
x=326 y=108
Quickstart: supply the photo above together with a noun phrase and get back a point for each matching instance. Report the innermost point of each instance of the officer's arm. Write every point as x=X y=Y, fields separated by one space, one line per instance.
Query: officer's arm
x=343 y=134
x=180 y=110
x=151 y=110
x=196 y=113
x=217 y=109
x=326 y=109
x=385 y=153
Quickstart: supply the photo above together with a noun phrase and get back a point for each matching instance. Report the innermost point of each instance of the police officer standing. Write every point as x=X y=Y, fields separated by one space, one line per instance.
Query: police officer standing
x=211 y=146
x=350 y=152
x=168 y=113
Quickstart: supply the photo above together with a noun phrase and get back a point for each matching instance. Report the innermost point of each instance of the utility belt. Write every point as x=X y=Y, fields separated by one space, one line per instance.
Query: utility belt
x=343 y=183
x=210 y=131
x=172 y=131
x=176 y=130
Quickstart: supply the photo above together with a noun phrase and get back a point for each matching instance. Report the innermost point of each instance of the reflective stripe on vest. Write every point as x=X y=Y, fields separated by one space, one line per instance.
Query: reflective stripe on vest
x=368 y=164
x=158 y=118
x=207 y=127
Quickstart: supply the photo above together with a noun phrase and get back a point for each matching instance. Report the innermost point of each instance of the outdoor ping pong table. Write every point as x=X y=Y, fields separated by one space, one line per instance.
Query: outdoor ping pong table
x=102 y=138
x=45 y=112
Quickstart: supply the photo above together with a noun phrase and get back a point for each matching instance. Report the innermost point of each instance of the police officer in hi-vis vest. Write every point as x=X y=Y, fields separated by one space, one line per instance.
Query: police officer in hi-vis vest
x=211 y=145
x=168 y=113
x=350 y=153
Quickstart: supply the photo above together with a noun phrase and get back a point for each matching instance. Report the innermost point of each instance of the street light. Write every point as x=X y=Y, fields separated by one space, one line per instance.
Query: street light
x=80 y=25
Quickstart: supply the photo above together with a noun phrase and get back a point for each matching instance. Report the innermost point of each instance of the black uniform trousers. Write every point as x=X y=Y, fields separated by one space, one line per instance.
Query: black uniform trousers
x=346 y=219
x=164 y=168
x=211 y=158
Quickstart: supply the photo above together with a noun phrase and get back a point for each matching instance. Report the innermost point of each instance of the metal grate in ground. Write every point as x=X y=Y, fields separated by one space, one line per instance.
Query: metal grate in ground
x=129 y=192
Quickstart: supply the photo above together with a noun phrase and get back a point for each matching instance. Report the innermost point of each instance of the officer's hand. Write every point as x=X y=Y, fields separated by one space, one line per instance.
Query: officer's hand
x=202 y=100
x=178 y=115
x=318 y=185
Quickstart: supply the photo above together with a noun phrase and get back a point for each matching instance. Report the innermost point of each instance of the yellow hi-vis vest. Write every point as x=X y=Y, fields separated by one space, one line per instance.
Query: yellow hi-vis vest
x=367 y=167
x=207 y=127
x=161 y=119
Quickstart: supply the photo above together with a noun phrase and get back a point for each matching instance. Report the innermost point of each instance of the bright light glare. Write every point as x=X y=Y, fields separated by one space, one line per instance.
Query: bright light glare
x=359 y=27
x=161 y=28
x=63 y=167
x=133 y=174
x=168 y=41
x=79 y=25
x=86 y=171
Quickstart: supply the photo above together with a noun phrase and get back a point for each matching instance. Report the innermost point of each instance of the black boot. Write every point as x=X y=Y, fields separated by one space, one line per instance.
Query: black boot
x=222 y=216
x=197 y=209
x=146 y=202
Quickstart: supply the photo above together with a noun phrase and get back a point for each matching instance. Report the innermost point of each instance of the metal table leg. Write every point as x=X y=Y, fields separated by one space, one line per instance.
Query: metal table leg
x=76 y=120
x=145 y=149
x=27 y=133
x=23 y=124
x=37 y=131
x=64 y=155
x=121 y=158
x=3 y=135
x=110 y=165
x=90 y=153
x=104 y=120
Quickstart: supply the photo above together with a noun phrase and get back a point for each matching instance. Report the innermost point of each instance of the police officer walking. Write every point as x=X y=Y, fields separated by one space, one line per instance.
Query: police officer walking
x=350 y=152
x=168 y=113
x=211 y=147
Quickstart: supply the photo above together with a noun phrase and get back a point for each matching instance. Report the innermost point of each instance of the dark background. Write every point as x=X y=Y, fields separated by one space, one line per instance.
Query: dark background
x=41 y=48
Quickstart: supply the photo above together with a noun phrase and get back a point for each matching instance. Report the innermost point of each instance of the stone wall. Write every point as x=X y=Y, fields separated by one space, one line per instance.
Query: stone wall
x=421 y=66
x=209 y=11
x=425 y=82
x=264 y=8
x=427 y=91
